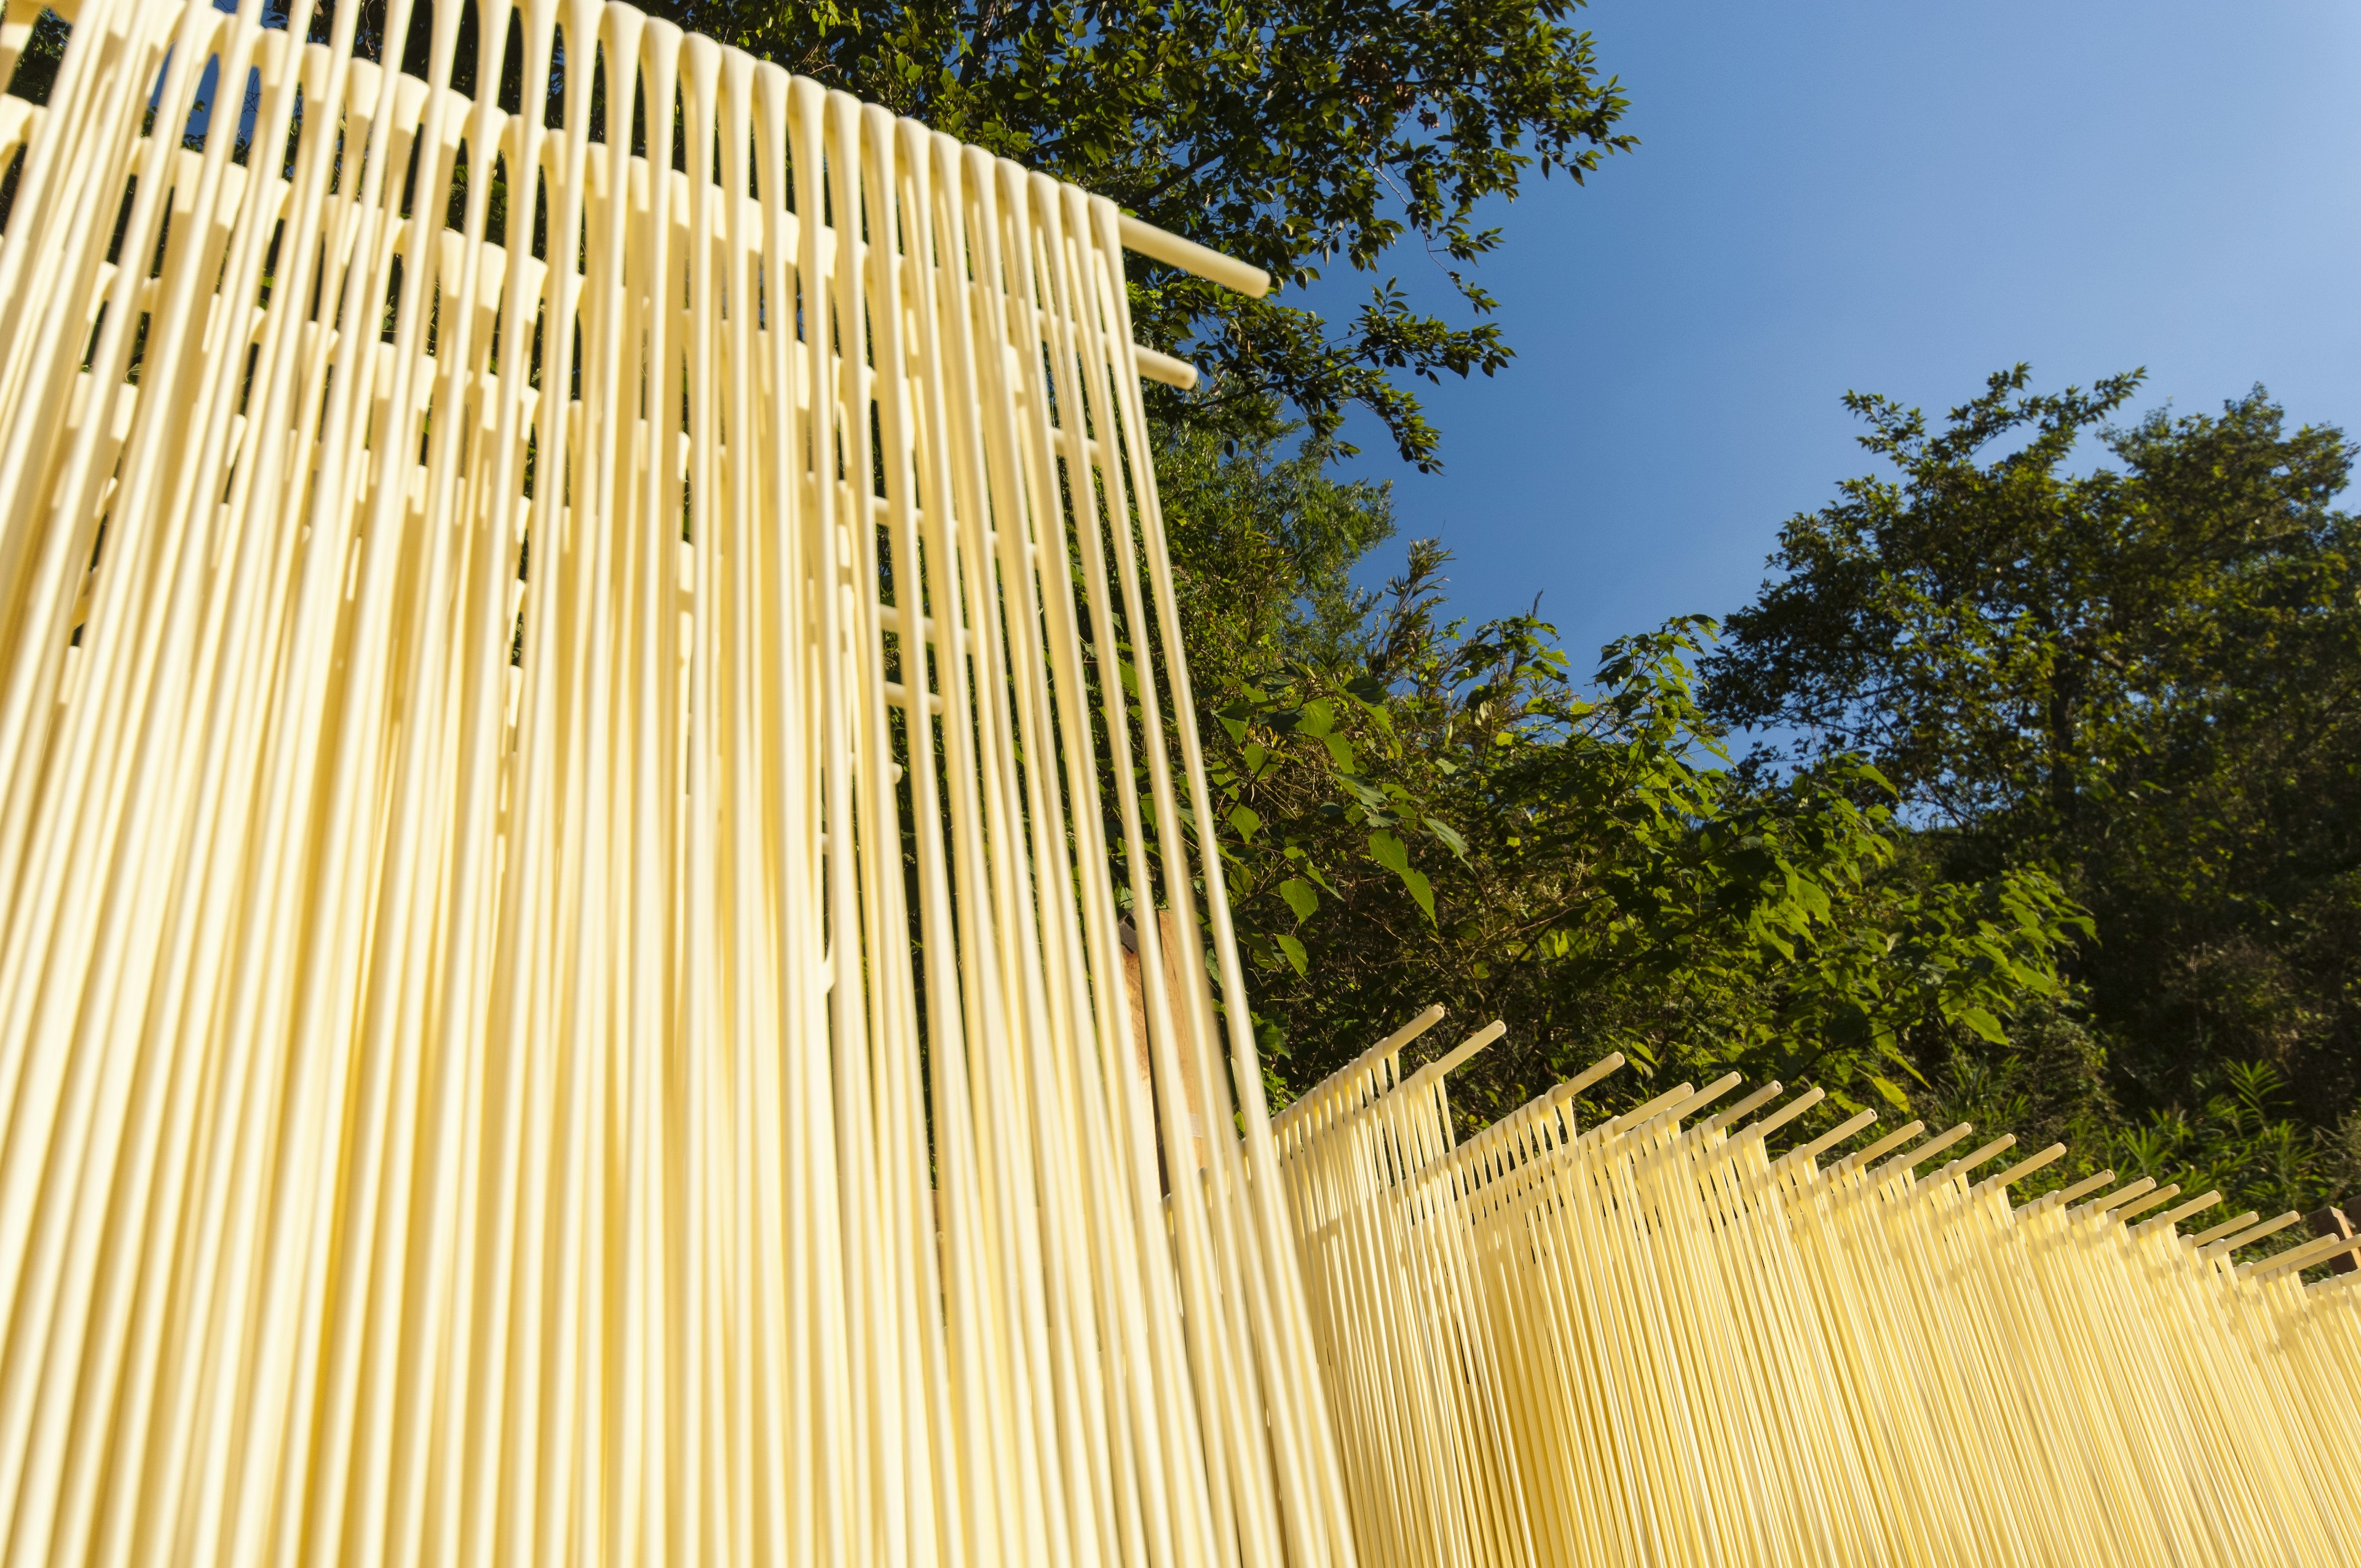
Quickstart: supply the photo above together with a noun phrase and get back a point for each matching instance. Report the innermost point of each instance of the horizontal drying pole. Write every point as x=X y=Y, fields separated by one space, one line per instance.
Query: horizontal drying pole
x=1191 y=257
x=1198 y=262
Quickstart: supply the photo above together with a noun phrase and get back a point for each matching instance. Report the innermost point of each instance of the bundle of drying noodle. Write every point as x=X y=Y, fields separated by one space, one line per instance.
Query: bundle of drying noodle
x=561 y=997
x=566 y=994
x=1651 y=1340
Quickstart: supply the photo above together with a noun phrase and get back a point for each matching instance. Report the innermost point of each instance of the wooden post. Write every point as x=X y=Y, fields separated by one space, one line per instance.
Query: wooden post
x=2331 y=1221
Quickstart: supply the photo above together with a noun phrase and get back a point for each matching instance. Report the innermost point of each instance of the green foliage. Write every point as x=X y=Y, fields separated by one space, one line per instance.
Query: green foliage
x=2049 y=1086
x=2002 y=636
x=37 y=68
x=2238 y=1138
x=2240 y=1135
x=1263 y=542
x=1444 y=814
x=1284 y=137
x=2141 y=677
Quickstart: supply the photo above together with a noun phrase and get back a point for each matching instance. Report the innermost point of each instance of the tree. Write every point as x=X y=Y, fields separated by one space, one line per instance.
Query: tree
x=1284 y=137
x=30 y=76
x=1263 y=539
x=1443 y=815
x=2142 y=678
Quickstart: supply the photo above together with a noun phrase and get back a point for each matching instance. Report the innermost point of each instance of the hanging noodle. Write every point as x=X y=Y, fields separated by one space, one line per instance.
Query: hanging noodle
x=561 y=997
x=1651 y=1340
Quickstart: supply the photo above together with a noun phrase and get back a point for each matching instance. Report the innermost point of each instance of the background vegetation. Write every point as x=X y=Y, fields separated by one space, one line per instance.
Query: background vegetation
x=2048 y=821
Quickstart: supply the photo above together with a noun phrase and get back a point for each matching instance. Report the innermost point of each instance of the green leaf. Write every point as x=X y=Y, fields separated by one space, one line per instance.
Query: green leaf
x=1299 y=897
x=1446 y=835
x=1295 y=954
x=1392 y=853
x=1982 y=1023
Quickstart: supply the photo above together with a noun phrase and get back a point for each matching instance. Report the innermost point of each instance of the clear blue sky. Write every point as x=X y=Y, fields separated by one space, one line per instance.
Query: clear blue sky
x=1891 y=195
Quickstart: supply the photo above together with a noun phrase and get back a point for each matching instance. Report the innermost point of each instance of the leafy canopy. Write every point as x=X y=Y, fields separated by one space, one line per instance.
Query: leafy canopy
x=1433 y=813
x=2142 y=674
x=2004 y=636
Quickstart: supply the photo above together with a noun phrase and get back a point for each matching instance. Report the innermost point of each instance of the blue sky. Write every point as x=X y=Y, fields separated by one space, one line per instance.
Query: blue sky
x=1898 y=197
